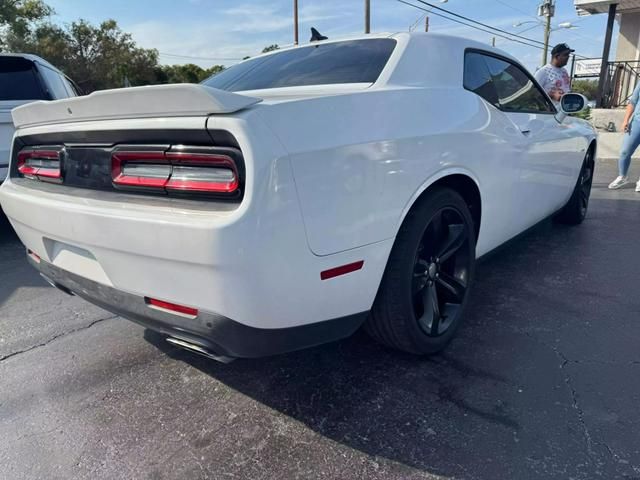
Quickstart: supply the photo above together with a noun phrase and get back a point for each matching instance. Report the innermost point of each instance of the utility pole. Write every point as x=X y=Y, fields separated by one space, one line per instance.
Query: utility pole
x=493 y=42
x=367 y=16
x=295 y=22
x=547 y=9
x=426 y=23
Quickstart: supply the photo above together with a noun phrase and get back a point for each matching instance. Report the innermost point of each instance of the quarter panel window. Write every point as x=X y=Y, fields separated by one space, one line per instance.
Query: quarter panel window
x=504 y=84
x=478 y=79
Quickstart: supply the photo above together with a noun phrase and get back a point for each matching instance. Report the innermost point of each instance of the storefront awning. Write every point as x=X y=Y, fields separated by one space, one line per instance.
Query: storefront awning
x=591 y=7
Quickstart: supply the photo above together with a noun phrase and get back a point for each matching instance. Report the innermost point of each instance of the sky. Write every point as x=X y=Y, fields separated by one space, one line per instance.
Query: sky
x=210 y=32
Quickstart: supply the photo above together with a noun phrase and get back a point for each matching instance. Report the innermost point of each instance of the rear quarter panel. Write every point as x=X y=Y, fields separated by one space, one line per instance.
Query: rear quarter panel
x=360 y=160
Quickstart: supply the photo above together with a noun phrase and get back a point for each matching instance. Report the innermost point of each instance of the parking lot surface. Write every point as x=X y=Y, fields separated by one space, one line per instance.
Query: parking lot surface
x=541 y=381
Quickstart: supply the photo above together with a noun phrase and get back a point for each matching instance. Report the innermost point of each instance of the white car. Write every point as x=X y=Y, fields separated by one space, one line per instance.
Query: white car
x=24 y=78
x=300 y=194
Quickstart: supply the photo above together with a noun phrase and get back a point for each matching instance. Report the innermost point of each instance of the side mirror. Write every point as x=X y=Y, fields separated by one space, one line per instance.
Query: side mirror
x=571 y=103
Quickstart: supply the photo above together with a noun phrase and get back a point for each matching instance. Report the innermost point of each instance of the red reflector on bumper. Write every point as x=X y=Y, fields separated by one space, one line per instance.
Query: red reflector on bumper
x=171 y=307
x=33 y=255
x=341 y=270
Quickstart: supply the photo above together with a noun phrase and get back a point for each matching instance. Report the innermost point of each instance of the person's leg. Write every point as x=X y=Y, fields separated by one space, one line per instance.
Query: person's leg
x=630 y=143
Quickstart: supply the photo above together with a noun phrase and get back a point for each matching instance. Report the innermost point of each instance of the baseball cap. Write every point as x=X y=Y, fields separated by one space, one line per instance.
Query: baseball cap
x=561 y=48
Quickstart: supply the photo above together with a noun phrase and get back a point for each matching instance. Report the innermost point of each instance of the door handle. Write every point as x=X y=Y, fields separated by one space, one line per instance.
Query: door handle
x=525 y=132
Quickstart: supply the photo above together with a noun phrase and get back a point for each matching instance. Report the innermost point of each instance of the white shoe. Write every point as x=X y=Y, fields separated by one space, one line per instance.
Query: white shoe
x=618 y=182
x=638 y=185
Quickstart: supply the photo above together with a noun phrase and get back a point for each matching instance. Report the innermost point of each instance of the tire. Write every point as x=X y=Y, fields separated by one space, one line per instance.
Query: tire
x=433 y=256
x=574 y=212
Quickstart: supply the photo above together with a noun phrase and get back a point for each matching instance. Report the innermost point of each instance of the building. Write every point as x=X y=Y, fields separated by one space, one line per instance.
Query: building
x=618 y=77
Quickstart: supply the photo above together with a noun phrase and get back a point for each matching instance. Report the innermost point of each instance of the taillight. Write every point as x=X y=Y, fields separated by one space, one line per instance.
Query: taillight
x=202 y=172
x=175 y=171
x=139 y=169
x=42 y=164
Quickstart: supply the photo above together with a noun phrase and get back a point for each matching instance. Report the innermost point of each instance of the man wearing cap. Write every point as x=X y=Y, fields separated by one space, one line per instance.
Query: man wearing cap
x=553 y=77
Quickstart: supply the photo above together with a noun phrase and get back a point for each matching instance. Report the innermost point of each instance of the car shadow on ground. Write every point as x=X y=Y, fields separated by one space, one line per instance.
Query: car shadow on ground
x=7 y=233
x=421 y=412
x=17 y=272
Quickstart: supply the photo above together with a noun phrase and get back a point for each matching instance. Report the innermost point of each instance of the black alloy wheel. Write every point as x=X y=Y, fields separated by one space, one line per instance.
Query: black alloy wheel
x=425 y=288
x=575 y=211
x=441 y=272
x=586 y=179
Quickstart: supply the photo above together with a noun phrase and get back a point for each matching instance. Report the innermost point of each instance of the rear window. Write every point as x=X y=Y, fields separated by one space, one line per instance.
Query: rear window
x=18 y=80
x=356 y=61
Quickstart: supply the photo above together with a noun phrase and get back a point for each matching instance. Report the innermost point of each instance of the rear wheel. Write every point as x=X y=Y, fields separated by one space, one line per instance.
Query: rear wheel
x=574 y=212
x=424 y=291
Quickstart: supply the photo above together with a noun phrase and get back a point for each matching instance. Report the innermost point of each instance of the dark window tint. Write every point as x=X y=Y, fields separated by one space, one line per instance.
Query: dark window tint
x=357 y=61
x=68 y=85
x=54 y=83
x=517 y=92
x=477 y=78
x=18 y=80
x=503 y=84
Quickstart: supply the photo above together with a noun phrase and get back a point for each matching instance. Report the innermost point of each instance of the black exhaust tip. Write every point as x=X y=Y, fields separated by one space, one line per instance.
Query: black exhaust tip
x=200 y=350
x=57 y=285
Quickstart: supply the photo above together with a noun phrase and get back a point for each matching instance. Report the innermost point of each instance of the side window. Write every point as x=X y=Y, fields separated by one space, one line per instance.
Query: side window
x=503 y=84
x=54 y=82
x=517 y=92
x=71 y=91
x=477 y=78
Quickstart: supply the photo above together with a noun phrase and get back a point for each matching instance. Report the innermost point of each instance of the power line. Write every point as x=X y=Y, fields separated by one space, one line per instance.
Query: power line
x=485 y=25
x=431 y=12
x=471 y=25
x=530 y=28
x=478 y=23
x=517 y=9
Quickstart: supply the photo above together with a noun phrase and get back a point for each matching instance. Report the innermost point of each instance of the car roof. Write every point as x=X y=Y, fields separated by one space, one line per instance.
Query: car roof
x=33 y=58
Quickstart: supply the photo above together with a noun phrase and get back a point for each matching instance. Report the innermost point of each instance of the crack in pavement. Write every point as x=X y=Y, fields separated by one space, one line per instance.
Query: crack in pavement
x=574 y=396
x=55 y=337
x=575 y=404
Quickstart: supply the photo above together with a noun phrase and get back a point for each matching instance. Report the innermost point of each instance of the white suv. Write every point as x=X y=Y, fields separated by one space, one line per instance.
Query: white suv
x=24 y=78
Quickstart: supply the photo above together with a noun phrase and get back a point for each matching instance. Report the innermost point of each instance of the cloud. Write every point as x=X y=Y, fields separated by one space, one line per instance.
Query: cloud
x=234 y=33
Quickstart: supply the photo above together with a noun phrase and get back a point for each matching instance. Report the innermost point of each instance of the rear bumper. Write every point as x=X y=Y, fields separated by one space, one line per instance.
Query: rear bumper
x=211 y=331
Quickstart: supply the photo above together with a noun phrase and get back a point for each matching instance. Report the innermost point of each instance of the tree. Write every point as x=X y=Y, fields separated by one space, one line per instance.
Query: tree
x=17 y=15
x=588 y=88
x=270 y=48
x=188 y=73
x=95 y=57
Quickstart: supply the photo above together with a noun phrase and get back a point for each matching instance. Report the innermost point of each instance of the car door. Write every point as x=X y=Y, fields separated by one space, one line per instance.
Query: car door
x=501 y=148
x=547 y=165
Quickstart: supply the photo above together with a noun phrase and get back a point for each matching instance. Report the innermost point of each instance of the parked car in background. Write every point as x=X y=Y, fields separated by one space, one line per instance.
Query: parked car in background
x=299 y=194
x=24 y=78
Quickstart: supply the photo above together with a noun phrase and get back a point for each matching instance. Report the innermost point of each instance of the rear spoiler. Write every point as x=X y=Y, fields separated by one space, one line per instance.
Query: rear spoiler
x=176 y=100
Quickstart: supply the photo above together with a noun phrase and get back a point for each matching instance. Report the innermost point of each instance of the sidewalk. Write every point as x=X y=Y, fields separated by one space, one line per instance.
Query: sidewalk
x=609 y=145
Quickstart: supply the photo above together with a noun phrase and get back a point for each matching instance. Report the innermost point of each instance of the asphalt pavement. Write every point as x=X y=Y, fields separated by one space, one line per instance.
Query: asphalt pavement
x=541 y=381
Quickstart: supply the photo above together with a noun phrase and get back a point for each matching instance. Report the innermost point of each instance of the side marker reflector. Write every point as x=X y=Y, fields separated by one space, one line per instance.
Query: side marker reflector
x=341 y=270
